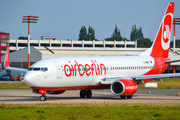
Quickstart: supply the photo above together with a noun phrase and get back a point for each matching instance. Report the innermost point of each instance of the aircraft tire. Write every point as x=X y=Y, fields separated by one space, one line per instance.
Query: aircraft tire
x=123 y=97
x=129 y=97
x=82 y=93
x=88 y=93
x=43 y=98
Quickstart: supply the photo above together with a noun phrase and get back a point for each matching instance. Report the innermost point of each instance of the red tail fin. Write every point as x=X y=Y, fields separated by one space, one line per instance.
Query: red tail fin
x=6 y=59
x=160 y=47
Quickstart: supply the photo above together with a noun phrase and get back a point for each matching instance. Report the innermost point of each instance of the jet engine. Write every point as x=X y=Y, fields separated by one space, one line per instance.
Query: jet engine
x=123 y=87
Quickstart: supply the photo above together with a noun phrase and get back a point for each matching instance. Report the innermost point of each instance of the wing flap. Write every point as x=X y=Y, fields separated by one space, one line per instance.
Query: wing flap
x=156 y=76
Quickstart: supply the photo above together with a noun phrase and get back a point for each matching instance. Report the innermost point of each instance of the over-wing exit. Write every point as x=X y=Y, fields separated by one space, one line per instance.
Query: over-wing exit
x=120 y=74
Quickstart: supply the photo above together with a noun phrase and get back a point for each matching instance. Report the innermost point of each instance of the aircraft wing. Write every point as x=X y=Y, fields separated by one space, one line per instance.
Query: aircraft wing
x=16 y=69
x=138 y=78
x=7 y=66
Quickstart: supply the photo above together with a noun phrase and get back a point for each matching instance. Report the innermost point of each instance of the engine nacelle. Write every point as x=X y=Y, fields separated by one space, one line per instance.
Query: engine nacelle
x=56 y=92
x=123 y=87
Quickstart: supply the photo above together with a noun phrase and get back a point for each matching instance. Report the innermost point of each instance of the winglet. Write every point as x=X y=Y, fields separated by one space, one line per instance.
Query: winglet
x=6 y=59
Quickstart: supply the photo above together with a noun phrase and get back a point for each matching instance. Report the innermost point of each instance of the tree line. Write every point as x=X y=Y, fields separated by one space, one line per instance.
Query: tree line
x=136 y=34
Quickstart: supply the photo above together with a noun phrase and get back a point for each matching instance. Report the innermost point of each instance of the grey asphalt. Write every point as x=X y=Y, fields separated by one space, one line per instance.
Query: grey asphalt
x=99 y=96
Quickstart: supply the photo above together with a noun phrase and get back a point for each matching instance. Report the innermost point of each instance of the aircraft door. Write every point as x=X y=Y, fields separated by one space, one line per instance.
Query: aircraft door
x=59 y=70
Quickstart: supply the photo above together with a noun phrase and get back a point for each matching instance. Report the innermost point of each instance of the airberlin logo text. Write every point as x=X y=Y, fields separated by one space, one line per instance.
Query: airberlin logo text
x=94 y=68
x=166 y=31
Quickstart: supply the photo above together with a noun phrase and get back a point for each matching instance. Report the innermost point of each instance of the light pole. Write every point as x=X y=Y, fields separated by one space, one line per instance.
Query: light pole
x=29 y=19
x=176 y=21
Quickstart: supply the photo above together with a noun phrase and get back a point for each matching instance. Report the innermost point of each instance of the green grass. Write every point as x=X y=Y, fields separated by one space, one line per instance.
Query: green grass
x=167 y=83
x=14 y=85
x=104 y=111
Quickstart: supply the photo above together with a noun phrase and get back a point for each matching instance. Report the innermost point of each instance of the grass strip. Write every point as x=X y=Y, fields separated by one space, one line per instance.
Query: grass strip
x=167 y=83
x=103 y=111
x=14 y=85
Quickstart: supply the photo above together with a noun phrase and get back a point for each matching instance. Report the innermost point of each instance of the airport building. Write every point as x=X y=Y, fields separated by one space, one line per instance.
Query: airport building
x=58 y=44
x=4 y=43
x=60 y=48
x=48 y=38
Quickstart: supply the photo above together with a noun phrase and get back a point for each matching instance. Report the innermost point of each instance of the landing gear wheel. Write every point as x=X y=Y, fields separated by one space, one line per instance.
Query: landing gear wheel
x=43 y=98
x=82 y=93
x=88 y=93
x=129 y=97
x=123 y=97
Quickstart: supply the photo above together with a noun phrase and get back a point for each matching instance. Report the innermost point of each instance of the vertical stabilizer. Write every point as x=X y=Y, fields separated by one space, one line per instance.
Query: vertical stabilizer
x=160 y=47
x=6 y=59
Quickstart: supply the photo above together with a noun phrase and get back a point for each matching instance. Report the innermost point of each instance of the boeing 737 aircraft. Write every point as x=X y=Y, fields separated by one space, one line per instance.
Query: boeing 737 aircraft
x=120 y=74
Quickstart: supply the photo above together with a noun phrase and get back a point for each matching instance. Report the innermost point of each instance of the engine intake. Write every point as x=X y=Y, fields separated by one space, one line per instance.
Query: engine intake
x=123 y=87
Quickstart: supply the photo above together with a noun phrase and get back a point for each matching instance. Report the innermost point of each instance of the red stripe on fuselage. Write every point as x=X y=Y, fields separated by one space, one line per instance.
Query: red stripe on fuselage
x=72 y=88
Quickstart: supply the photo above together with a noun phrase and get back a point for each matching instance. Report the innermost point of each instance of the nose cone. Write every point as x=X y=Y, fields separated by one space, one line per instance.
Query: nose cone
x=29 y=79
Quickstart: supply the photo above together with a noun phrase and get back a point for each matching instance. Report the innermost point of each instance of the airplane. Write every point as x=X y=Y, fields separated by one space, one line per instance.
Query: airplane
x=120 y=74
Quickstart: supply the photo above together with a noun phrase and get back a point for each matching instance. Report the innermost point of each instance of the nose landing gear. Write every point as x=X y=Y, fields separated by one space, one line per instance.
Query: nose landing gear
x=43 y=97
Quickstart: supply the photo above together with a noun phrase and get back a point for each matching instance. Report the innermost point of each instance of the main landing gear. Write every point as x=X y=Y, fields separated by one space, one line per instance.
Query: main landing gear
x=43 y=97
x=128 y=97
x=85 y=93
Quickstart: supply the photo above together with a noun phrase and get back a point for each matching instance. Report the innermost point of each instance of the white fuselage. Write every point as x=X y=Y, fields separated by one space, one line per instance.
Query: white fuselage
x=85 y=71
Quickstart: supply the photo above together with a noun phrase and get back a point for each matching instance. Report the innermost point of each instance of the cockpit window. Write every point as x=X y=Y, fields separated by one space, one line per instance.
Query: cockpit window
x=38 y=69
x=44 y=69
x=30 y=69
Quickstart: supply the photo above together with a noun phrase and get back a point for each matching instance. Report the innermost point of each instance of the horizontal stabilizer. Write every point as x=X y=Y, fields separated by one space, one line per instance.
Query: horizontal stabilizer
x=171 y=61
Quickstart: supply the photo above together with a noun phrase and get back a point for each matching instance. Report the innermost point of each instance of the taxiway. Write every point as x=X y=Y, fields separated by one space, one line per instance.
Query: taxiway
x=100 y=96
